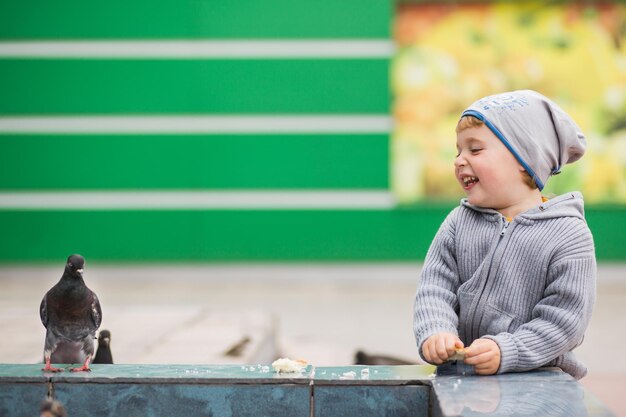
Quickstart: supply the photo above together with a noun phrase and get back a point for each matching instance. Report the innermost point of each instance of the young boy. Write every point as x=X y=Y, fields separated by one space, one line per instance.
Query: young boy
x=510 y=274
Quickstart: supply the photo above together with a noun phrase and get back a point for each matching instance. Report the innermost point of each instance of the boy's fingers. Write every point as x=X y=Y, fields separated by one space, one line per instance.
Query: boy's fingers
x=479 y=359
x=438 y=348
x=485 y=371
x=483 y=366
x=475 y=350
x=484 y=355
x=451 y=344
x=442 y=350
x=479 y=346
x=432 y=352
x=488 y=368
x=426 y=350
x=435 y=357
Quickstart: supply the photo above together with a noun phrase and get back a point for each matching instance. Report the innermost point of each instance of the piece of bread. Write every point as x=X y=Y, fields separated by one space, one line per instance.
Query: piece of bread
x=286 y=365
x=459 y=355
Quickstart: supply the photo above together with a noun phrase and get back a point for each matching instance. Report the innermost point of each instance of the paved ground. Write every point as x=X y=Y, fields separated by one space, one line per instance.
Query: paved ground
x=322 y=313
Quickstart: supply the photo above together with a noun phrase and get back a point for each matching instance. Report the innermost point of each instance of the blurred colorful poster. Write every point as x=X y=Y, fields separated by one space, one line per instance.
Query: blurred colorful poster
x=449 y=55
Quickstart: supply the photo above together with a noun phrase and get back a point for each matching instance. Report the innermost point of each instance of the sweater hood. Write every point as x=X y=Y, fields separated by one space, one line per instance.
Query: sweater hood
x=565 y=205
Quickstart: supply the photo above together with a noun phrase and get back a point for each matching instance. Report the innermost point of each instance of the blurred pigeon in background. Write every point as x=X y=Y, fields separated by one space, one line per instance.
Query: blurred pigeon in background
x=362 y=358
x=103 y=353
x=71 y=314
x=52 y=408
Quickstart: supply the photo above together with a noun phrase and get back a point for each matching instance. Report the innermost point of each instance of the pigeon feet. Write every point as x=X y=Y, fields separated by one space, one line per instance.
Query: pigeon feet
x=83 y=368
x=49 y=368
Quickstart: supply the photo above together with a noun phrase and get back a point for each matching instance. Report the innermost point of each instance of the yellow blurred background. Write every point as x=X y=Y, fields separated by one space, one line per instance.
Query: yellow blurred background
x=450 y=55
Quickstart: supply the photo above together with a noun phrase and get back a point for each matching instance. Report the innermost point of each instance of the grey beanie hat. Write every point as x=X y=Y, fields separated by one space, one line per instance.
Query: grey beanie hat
x=541 y=136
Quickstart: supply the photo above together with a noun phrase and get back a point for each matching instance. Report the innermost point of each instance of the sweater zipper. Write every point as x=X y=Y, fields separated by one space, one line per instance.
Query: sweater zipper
x=506 y=226
x=470 y=323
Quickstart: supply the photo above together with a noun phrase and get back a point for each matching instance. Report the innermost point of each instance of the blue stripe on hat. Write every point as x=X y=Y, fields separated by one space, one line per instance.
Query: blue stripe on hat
x=506 y=143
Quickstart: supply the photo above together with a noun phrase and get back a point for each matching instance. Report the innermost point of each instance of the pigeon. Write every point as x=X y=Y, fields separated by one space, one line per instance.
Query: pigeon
x=103 y=354
x=238 y=349
x=52 y=408
x=71 y=314
x=362 y=358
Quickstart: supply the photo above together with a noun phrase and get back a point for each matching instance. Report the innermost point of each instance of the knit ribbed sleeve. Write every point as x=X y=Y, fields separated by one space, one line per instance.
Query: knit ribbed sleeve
x=436 y=305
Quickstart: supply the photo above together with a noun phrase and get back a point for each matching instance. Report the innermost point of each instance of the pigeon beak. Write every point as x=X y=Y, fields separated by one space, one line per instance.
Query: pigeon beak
x=80 y=271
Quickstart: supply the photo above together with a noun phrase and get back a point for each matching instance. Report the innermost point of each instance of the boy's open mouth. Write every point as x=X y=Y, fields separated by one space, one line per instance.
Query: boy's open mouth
x=469 y=181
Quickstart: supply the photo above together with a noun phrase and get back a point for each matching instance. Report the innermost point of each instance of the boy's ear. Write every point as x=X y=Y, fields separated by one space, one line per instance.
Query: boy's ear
x=521 y=168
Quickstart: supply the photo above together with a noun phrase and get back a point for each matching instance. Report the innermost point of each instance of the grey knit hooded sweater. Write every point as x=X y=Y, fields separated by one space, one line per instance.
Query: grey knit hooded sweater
x=528 y=284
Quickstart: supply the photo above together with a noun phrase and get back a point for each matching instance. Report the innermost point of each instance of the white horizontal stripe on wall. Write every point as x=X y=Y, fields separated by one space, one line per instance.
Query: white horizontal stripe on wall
x=198 y=124
x=192 y=49
x=196 y=200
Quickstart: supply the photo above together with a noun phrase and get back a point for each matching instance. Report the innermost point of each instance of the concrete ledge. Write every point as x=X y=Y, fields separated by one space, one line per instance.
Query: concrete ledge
x=544 y=392
x=246 y=390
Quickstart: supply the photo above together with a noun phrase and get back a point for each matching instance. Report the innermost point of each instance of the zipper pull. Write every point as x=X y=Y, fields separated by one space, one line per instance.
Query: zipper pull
x=506 y=225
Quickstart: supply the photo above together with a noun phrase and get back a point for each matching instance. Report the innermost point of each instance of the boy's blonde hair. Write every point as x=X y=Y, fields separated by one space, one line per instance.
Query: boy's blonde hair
x=467 y=122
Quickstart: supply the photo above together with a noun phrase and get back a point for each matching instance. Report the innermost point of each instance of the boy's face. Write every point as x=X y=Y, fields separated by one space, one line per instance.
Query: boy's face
x=487 y=170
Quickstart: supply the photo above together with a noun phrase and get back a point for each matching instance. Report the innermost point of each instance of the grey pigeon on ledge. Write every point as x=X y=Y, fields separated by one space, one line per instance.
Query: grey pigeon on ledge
x=71 y=314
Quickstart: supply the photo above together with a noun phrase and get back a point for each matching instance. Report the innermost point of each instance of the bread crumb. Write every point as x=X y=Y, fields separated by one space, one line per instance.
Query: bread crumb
x=286 y=365
x=459 y=355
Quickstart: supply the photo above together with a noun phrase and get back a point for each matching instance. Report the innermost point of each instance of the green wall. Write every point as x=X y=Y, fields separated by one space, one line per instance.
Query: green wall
x=195 y=19
x=193 y=161
x=256 y=235
x=193 y=86
x=54 y=88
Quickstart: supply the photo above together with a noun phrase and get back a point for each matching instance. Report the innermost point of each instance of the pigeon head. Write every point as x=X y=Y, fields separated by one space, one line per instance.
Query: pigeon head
x=75 y=265
x=105 y=335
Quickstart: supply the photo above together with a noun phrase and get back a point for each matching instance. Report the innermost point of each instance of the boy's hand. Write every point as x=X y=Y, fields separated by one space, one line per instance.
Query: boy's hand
x=439 y=347
x=484 y=354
